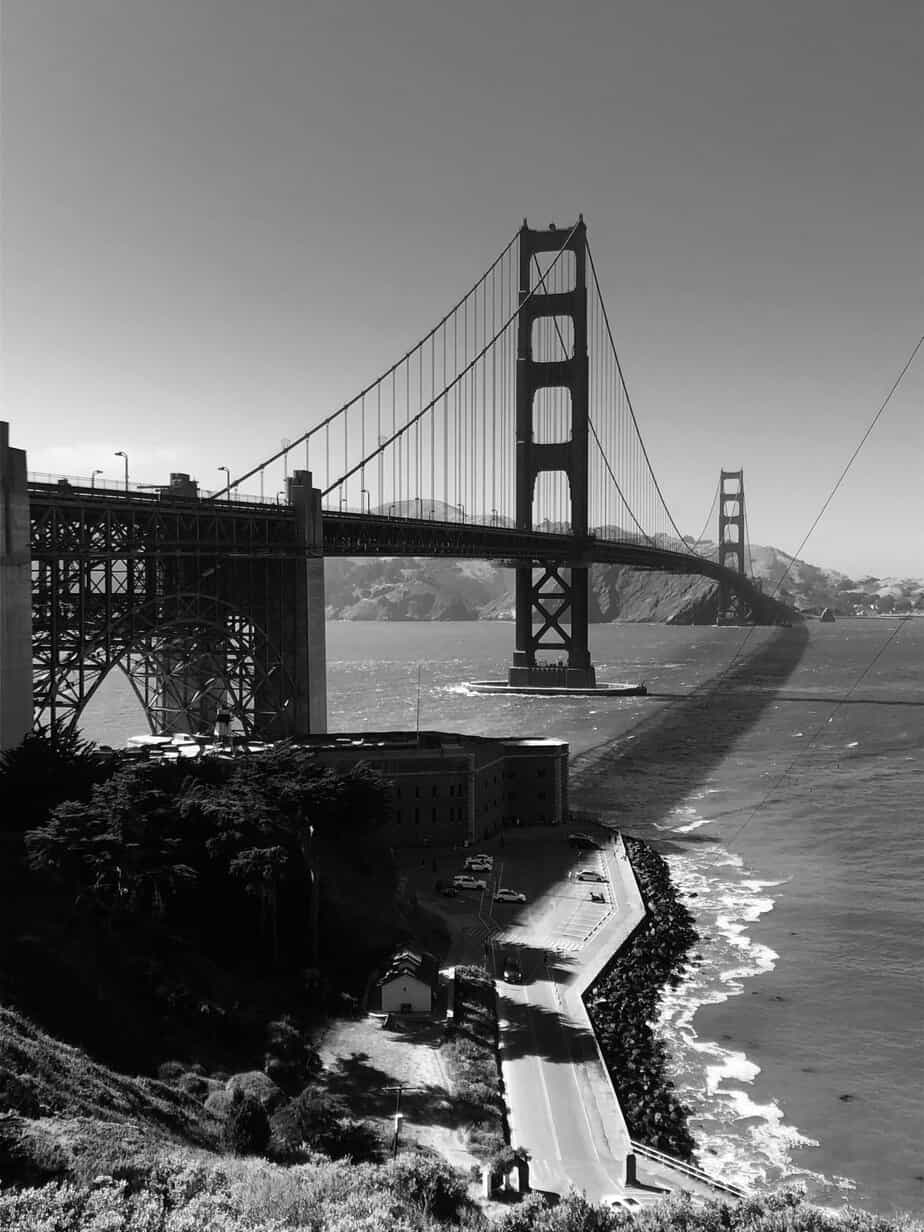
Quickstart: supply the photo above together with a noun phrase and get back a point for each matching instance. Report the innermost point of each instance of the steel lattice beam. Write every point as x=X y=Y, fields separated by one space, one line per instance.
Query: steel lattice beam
x=196 y=602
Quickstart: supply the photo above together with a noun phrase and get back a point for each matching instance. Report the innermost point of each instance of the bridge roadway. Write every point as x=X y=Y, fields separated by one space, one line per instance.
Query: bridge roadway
x=353 y=534
x=347 y=533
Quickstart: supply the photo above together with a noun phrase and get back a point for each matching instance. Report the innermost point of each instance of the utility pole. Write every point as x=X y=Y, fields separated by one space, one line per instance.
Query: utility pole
x=397 y=1113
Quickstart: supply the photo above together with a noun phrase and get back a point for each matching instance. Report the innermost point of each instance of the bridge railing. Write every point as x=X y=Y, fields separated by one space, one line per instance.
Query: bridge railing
x=112 y=487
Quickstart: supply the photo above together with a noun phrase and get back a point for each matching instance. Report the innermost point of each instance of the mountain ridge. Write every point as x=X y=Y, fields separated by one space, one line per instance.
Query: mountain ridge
x=432 y=588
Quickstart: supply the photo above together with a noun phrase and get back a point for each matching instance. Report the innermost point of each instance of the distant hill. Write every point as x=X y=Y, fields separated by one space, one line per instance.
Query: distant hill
x=810 y=588
x=415 y=588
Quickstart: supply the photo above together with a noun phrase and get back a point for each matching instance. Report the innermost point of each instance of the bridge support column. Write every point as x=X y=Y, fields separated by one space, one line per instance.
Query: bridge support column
x=731 y=607
x=15 y=596
x=310 y=666
x=552 y=603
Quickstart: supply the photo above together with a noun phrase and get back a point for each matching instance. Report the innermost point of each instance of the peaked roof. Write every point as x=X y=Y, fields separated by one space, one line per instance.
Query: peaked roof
x=419 y=964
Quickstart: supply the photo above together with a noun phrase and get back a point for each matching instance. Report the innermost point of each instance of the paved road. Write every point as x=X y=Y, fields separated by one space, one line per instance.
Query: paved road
x=563 y=1110
x=562 y=1107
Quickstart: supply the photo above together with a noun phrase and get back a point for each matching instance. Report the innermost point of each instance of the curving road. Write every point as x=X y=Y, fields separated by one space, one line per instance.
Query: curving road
x=562 y=1106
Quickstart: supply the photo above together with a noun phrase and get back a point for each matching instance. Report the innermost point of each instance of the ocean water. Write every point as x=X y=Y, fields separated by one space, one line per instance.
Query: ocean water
x=780 y=773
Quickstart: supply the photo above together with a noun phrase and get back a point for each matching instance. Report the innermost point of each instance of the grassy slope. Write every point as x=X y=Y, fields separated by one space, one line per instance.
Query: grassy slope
x=63 y=1114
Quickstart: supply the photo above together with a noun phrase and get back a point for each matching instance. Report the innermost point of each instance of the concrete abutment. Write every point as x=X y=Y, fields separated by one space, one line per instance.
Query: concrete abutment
x=15 y=596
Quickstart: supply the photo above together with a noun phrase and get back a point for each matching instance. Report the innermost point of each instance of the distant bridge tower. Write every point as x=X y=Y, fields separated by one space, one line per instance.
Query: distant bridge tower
x=731 y=608
x=558 y=596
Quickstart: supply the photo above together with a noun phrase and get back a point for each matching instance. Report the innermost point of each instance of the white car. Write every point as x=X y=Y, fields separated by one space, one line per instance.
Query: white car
x=589 y=874
x=464 y=882
x=509 y=896
x=479 y=866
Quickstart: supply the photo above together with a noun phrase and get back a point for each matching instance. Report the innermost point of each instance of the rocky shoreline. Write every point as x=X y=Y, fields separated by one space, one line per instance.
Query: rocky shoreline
x=623 y=1004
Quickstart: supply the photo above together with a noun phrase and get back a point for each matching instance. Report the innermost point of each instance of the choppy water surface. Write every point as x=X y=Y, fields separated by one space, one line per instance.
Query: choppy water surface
x=782 y=780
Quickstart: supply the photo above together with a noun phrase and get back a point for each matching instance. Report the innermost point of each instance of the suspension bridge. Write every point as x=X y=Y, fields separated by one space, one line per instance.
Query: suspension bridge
x=505 y=433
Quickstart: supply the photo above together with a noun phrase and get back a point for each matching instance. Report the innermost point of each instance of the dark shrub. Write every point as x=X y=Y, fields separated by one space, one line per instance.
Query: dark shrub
x=246 y=1129
x=196 y=1086
x=171 y=1071
x=255 y=1083
x=439 y=1190
x=313 y=1120
x=218 y=1103
x=18 y=1094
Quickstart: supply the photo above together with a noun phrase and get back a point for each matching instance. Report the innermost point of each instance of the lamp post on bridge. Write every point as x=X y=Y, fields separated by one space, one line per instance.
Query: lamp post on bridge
x=227 y=471
x=461 y=509
x=120 y=453
x=364 y=492
x=93 y=478
x=493 y=517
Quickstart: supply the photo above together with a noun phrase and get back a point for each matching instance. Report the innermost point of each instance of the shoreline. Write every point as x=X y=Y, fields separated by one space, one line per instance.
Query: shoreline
x=751 y=1142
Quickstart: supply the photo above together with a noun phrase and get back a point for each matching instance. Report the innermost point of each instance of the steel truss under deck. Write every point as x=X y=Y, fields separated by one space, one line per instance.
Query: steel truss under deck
x=193 y=600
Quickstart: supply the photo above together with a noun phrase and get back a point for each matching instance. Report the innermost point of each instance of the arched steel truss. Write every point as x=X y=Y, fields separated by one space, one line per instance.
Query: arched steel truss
x=194 y=601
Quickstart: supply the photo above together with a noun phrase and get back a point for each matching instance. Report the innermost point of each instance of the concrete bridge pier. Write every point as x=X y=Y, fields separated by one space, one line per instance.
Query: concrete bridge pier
x=15 y=596
x=310 y=640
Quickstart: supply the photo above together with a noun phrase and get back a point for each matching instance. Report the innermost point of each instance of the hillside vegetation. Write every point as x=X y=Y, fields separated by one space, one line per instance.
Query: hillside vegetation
x=156 y=911
x=192 y=922
x=424 y=588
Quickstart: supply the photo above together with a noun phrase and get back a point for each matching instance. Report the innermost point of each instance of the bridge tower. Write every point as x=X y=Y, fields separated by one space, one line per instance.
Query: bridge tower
x=550 y=597
x=730 y=610
x=15 y=596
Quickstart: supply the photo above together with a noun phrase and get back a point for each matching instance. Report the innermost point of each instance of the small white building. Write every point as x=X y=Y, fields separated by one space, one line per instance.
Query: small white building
x=407 y=985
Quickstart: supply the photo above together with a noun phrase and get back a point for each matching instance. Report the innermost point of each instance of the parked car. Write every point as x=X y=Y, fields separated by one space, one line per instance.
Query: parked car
x=480 y=858
x=512 y=971
x=509 y=896
x=476 y=865
x=588 y=874
x=584 y=841
x=463 y=882
x=443 y=887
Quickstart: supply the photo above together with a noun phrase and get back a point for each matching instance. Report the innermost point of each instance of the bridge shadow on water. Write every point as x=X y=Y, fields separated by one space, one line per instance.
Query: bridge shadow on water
x=634 y=780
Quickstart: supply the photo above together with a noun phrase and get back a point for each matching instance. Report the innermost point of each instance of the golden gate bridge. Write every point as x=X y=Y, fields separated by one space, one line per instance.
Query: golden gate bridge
x=506 y=433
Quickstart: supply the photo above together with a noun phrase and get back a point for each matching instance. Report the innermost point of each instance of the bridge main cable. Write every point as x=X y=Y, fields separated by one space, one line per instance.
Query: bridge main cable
x=324 y=423
x=590 y=424
x=455 y=381
x=606 y=319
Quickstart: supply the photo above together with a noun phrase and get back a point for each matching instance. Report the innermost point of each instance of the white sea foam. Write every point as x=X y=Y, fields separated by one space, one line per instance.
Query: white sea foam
x=853 y=744
x=729 y=860
x=733 y=1067
x=693 y=825
x=740 y=1138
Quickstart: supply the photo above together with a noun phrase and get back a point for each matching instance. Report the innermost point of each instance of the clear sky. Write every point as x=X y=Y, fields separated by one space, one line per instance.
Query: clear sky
x=222 y=217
